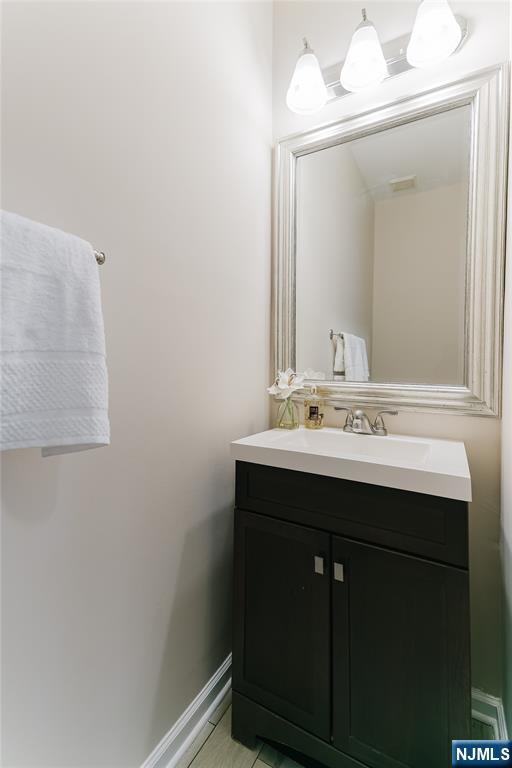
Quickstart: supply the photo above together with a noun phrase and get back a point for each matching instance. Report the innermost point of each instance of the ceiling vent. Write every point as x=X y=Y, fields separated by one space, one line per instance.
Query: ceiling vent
x=404 y=182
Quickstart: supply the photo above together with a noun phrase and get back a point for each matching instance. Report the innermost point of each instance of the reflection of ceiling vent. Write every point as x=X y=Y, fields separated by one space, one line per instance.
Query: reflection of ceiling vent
x=405 y=182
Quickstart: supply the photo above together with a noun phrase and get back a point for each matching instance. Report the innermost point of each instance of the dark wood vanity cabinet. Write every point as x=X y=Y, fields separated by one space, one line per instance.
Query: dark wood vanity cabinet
x=351 y=620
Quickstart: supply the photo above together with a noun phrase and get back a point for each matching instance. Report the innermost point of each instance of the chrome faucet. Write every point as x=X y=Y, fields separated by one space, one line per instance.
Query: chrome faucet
x=359 y=423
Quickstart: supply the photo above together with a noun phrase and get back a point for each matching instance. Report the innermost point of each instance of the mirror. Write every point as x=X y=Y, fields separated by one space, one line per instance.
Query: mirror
x=389 y=256
x=381 y=254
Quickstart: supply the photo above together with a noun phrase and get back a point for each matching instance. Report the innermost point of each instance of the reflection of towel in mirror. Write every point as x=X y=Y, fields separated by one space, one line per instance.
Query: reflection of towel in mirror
x=339 y=355
x=356 y=358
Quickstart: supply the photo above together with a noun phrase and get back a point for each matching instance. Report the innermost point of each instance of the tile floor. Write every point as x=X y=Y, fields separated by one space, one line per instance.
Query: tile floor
x=214 y=747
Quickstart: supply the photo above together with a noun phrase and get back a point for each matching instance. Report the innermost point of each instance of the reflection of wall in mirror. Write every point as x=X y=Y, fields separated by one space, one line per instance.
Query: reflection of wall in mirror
x=418 y=293
x=334 y=255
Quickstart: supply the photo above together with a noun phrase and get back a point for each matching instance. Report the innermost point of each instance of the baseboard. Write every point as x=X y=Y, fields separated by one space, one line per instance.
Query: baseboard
x=178 y=739
x=489 y=710
x=486 y=708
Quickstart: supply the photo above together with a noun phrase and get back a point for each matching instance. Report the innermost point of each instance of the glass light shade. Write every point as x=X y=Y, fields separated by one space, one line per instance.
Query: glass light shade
x=307 y=92
x=365 y=64
x=435 y=35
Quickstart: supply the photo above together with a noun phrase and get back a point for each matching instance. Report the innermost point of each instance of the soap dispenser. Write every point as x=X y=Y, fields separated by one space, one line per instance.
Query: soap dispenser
x=313 y=410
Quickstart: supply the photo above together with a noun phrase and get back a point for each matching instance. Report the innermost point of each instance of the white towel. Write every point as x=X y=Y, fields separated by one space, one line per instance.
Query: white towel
x=339 y=355
x=356 y=358
x=52 y=352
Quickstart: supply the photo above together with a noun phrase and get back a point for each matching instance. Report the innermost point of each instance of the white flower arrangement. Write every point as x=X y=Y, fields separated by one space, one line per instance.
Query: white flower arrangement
x=286 y=383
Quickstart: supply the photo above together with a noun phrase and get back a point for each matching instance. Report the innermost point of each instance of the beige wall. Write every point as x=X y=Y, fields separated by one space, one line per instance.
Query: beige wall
x=146 y=129
x=329 y=26
x=334 y=255
x=418 y=286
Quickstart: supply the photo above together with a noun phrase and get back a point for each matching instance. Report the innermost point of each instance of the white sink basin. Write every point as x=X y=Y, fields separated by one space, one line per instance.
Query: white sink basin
x=435 y=467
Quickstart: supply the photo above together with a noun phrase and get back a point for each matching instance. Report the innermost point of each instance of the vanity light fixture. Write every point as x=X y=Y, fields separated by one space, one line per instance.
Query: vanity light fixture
x=307 y=92
x=365 y=64
x=435 y=35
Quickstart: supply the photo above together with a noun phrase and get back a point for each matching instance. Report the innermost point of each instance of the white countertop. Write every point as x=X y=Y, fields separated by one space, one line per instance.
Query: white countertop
x=423 y=465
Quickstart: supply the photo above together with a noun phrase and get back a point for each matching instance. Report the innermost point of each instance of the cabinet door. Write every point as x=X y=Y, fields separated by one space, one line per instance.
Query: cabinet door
x=400 y=657
x=281 y=649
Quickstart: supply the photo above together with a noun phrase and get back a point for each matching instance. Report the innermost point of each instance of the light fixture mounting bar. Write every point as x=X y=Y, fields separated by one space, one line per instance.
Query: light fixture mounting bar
x=395 y=55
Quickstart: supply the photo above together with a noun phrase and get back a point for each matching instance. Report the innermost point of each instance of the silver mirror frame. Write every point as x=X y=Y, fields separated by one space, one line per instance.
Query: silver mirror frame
x=486 y=92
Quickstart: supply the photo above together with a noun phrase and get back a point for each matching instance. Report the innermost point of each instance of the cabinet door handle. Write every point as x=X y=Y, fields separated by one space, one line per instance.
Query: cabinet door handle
x=339 y=572
x=319 y=565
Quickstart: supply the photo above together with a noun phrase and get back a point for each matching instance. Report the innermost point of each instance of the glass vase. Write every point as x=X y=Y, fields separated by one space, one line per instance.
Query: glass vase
x=287 y=415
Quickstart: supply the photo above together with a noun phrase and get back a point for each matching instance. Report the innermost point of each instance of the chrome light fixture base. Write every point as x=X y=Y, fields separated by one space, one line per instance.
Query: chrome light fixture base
x=396 y=59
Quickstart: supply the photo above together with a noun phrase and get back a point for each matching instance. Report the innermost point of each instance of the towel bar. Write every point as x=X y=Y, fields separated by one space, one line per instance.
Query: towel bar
x=100 y=257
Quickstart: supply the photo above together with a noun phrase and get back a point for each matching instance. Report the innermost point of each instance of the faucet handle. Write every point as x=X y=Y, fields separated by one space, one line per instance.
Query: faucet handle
x=350 y=416
x=379 y=428
x=342 y=408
